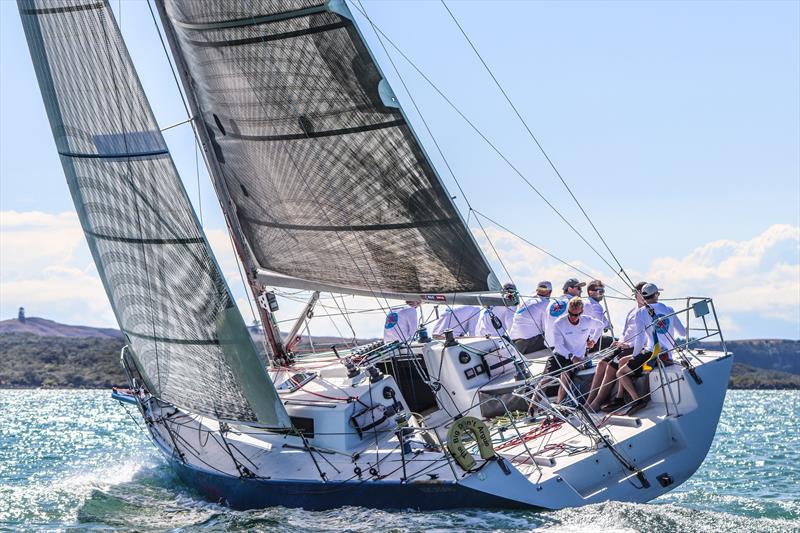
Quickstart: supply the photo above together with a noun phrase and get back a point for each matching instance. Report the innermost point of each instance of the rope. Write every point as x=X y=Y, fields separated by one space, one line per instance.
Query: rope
x=491 y=144
x=536 y=141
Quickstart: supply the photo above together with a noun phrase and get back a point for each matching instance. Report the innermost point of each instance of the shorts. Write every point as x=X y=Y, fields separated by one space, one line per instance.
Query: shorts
x=556 y=364
x=638 y=362
x=534 y=344
x=614 y=357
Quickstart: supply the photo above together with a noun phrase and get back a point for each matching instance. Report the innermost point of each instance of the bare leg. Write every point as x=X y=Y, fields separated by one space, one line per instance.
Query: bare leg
x=599 y=376
x=626 y=382
x=608 y=381
x=562 y=390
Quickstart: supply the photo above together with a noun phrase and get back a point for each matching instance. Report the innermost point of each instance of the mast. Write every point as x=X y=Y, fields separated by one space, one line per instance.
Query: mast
x=278 y=354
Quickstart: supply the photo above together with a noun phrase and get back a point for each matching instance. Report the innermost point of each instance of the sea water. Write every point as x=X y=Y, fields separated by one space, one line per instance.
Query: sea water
x=74 y=460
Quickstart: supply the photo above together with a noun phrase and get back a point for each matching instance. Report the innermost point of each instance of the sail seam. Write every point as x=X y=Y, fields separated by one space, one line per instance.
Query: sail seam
x=168 y=340
x=275 y=37
x=137 y=155
x=65 y=9
x=188 y=240
x=252 y=21
x=365 y=227
x=317 y=134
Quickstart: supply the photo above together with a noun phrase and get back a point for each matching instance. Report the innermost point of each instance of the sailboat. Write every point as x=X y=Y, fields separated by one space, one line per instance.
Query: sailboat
x=325 y=187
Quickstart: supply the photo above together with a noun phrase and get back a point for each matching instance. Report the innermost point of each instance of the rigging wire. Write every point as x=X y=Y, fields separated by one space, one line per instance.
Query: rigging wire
x=536 y=141
x=539 y=248
x=490 y=143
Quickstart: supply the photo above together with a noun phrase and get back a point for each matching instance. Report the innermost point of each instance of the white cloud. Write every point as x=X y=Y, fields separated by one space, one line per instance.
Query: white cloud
x=45 y=266
x=754 y=279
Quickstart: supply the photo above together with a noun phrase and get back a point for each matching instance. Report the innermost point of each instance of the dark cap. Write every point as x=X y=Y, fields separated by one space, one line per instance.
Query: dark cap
x=572 y=282
x=509 y=287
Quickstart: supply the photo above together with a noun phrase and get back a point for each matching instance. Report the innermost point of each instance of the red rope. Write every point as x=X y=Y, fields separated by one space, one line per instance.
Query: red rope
x=535 y=433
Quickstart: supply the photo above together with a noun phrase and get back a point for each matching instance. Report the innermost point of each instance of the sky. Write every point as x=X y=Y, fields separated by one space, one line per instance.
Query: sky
x=676 y=124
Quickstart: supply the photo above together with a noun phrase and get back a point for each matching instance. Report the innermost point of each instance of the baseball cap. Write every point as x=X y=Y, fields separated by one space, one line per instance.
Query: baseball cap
x=649 y=289
x=572 y=282
x=509 y=287
x=544 y=286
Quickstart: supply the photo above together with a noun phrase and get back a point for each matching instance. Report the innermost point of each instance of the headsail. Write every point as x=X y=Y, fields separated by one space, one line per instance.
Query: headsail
x=165 y=287
x=328 y=183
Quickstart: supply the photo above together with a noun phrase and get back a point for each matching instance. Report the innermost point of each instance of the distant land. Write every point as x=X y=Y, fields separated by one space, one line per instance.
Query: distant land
x=38 y=352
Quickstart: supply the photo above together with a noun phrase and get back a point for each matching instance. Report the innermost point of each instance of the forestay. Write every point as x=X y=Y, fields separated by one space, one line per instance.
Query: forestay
x=170 y=299
x=329 y=186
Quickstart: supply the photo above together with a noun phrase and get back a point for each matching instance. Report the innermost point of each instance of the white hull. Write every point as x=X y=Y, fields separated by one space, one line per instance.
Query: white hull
x=666 y=444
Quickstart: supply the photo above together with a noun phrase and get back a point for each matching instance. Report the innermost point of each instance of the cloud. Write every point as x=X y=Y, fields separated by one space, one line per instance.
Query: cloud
x=753 y=279
x=45 y=266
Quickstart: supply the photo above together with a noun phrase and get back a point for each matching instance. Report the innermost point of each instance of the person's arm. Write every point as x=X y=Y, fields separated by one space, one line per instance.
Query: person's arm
x=639 y=335
x=561 y=346
x=597 y=330
x=679 y=327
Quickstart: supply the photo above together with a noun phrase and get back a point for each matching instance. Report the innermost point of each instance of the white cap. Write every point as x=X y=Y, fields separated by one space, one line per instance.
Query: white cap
x=649 y=290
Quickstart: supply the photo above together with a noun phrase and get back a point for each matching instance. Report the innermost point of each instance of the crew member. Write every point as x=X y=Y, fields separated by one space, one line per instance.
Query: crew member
x=401 y=323
x=606 y=372
x=656 y=327
x=593 y=308
x=558 y=306
x=484 y=327
x=574 y=334
x=527 y=329
x=460 y=319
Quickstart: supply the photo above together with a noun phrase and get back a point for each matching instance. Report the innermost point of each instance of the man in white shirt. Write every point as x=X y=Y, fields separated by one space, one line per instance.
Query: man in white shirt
x=574 y=334
x=401 y=323
x=527 y=328
x=593 y=307
x=654 y=320
x=606 y=372
x=484 y=327
x=558 y=307
x=460 y=319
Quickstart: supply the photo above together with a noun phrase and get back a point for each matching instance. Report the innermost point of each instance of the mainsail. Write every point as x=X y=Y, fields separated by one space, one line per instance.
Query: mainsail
x=170 y=299
x=327 y=182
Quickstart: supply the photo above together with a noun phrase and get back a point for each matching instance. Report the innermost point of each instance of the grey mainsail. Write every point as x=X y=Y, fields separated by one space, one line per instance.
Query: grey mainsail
x=328 y=184
x=168 y=294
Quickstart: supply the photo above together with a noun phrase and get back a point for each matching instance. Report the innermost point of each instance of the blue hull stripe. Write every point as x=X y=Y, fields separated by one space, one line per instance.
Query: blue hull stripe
x=260 y=493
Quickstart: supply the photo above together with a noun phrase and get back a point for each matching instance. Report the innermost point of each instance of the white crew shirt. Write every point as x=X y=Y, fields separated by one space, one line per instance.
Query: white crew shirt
x=629 y=328
x=401 y=324
x=528 y=319
x=667 y=328
x=571 y=338
x=460 y=319
x=555 y=310
x=595 y=309
x=484 y=326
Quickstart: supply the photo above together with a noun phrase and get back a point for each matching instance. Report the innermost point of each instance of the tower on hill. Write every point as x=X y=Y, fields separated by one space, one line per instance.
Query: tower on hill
x=21 y=315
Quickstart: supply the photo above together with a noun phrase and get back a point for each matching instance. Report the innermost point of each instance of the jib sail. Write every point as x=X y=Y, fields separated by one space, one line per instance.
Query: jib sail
x=170 y=299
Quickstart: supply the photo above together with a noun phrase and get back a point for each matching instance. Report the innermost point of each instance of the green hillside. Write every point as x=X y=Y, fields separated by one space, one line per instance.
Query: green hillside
x=48 y=354
x=30 y=360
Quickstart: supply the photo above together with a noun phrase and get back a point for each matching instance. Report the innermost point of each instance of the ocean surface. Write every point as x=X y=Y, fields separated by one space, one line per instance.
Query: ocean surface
x=74 y=460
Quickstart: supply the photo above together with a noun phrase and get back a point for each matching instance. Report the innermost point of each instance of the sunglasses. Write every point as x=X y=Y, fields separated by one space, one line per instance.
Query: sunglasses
x=601 y=289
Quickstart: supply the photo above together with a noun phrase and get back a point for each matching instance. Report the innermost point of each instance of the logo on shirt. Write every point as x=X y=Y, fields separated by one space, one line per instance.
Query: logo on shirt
x=391 y=320
x=662 y=324
x=557 y=308
x=522 y=309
